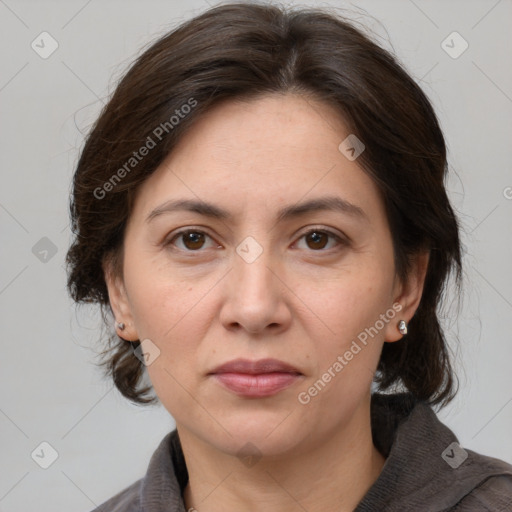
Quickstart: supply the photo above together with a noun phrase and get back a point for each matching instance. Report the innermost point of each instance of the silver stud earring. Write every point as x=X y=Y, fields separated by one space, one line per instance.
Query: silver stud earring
x=120 y=326
x=402 y=327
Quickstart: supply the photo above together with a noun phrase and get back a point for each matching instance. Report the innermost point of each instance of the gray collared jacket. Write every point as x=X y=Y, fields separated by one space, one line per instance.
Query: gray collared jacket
x=426 y=470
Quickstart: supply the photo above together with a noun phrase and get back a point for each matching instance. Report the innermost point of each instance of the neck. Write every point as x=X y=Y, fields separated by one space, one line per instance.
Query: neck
x=328 y=474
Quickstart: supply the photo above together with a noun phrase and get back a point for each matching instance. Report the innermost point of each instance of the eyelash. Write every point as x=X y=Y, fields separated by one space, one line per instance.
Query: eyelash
x=341 y=241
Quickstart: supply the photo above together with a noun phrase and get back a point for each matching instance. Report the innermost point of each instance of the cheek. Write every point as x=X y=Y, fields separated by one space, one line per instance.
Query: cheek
x=355 y=311
x=162 y=299
x=177 y=326
x=352 y=302
x=346 y=359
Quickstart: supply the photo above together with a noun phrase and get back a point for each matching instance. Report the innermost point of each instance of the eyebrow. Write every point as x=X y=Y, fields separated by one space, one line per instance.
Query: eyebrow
x=328 y=203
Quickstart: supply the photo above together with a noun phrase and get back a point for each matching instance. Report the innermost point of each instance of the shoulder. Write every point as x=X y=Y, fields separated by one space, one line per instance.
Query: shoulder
x=493 y=492
x=159 y=488
x=127 y=500
x=426 y=468
x=470 y=480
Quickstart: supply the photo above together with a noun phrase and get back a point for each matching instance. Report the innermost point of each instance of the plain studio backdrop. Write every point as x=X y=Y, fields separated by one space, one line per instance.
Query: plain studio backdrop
x=53 y=400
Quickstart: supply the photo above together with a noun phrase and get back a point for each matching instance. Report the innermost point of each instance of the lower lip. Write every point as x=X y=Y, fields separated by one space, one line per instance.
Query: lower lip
x=257 y=386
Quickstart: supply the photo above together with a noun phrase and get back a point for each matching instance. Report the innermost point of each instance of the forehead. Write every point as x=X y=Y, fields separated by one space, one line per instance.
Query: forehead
x=261 y=153
x=285 y=124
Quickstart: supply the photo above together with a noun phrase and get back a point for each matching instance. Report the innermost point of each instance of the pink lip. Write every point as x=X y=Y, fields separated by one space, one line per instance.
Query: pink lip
x=256 y=379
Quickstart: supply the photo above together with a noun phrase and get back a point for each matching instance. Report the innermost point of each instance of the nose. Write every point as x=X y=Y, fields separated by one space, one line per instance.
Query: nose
x=256 y=297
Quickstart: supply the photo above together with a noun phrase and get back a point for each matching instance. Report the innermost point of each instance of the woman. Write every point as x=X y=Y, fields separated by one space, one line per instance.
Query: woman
x=261 y=208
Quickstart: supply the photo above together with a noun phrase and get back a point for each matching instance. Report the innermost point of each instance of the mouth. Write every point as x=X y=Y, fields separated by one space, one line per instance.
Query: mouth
x=256 y=379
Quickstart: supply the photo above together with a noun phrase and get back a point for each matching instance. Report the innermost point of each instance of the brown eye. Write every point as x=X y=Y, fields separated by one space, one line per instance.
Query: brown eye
x=191 y=240
x=317 y=239
x=320 y=240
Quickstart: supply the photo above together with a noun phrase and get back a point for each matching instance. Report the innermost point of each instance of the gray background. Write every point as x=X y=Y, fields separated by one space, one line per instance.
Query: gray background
x=50 y=389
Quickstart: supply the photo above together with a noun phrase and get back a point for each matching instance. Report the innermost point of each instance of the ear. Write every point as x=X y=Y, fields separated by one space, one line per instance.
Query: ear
x=119 y=302
x=408 y=295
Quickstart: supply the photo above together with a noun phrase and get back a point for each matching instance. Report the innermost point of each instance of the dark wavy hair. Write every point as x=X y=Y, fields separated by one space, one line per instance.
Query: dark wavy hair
x=244 y=51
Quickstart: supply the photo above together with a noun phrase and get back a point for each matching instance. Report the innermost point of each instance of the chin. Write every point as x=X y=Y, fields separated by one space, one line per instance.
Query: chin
x=258 y=433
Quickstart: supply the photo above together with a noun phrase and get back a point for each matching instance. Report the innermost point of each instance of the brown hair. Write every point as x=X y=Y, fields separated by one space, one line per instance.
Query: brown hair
x=242 y=51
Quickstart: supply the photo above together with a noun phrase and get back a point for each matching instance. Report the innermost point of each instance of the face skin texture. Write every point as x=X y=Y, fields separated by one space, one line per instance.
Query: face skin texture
x=303 y=300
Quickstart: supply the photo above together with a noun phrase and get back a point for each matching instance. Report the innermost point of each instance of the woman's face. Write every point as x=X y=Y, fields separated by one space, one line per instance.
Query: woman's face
x=253 y=284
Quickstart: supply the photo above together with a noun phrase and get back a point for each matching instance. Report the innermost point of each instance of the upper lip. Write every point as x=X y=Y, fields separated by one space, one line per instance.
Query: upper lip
x=255 y=367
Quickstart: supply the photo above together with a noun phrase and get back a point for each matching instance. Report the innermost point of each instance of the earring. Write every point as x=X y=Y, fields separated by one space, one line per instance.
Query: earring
x=120 y=326
x=402 y=327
